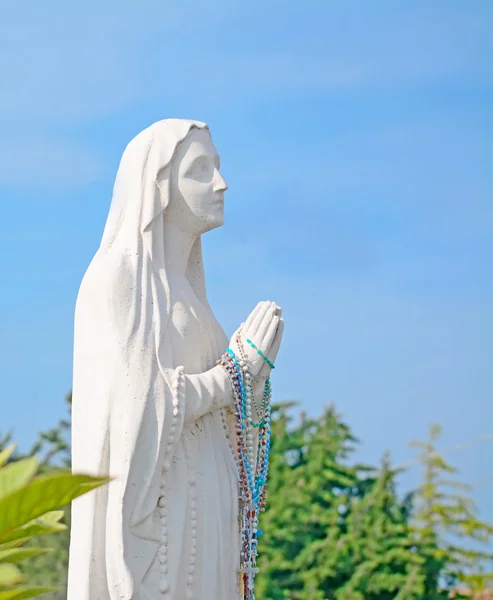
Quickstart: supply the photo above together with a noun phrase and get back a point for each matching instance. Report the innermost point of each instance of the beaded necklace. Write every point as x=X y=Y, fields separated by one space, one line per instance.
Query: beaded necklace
x=243 y=364
x=253 y=465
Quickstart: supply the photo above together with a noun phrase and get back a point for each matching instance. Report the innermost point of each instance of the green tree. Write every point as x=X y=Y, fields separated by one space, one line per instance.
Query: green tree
x=382 y=561
x=311 y=484
x=334 y=529
x=447 y=526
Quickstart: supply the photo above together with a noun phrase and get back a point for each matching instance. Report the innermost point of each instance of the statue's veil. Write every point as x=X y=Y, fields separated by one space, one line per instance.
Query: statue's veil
x=124 y=374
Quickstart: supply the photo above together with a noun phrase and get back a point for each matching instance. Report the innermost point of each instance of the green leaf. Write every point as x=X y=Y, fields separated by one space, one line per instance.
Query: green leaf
x=17 y=474
x=19 y=593
x=10 y=575
x=48 y=523
x=14 y=555
x=5 y=454
x=43 y=494
x=14 y=543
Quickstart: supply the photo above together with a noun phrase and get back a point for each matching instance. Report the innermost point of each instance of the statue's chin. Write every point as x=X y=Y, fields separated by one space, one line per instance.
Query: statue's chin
x=214 y=221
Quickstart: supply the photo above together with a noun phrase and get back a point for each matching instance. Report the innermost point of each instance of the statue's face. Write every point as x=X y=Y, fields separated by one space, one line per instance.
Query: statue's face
x=197 y=188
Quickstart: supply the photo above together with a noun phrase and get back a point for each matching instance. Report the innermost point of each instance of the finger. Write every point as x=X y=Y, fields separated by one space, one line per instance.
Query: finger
x=271 y=348
x=266 y=309
x=267 y=332
x=276 y=344
x=264 y=324
x=235 y=336
x=252 y=315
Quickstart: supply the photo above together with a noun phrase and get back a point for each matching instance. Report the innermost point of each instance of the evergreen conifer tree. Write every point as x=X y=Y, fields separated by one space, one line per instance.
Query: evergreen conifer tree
x=447 y=526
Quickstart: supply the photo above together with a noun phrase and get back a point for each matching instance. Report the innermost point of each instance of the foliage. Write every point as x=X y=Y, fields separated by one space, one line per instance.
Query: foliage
x=334 y=529
x=447 y=526
x=29 y=504
x=381 y=561
x=309 y=487
x=53 y=449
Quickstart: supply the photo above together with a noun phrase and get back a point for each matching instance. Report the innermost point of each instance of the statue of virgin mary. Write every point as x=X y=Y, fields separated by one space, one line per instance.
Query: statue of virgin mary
x=151 y=408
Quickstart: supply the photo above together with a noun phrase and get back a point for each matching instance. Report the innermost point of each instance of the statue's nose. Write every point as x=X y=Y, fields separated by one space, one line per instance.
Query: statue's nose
x=220 y=184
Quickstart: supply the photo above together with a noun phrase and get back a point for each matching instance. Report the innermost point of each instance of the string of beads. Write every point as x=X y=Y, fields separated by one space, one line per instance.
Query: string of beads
x=193 y=522
x=266 y=358
x=253 y=465
x=178 y=395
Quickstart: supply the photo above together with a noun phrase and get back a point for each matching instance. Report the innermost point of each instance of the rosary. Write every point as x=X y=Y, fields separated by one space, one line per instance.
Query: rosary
x=253 y=464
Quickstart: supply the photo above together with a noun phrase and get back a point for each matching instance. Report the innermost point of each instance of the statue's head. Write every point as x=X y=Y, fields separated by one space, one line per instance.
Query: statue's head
x=169 y=174
x=193 y=189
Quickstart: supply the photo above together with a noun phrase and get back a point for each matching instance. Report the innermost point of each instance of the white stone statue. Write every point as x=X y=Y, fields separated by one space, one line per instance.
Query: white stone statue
x=151 y=407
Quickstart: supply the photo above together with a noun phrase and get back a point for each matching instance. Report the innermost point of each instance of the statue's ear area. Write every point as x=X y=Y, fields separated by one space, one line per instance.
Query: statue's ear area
x=163 y=183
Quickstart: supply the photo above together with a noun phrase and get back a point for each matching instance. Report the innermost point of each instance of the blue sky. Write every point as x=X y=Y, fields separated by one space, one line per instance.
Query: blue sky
x=356 y=138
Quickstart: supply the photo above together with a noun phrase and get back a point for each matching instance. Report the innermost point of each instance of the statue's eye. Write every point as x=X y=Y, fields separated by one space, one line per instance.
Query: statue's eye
x=199 y=169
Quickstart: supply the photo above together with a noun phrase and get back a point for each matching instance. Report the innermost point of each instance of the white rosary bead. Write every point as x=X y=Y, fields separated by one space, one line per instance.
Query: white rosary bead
x=163 y=586
x=192 y=481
